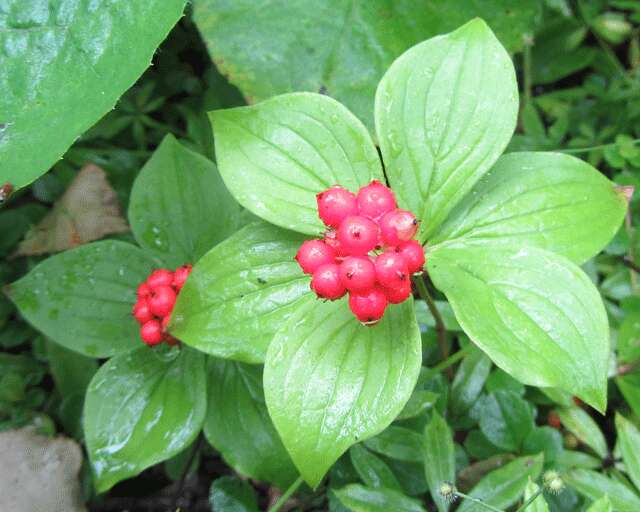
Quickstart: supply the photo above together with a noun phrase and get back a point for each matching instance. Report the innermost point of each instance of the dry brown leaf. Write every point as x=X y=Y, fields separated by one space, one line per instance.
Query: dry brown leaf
x=87 y=211
x=38 y=473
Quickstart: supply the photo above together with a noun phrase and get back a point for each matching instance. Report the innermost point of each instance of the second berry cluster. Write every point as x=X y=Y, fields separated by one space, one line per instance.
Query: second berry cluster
x=369 y=250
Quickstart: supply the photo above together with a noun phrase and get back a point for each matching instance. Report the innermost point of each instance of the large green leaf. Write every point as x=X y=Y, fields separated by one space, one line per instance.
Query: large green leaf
x=239 y=427
x=445 y=110
x=142 y=408
x=359 y=498
x=330 y=382
x=546 y=200
x=179 y=206
x=82 y=298
x=503 y=487
x=64 y=65
x=230 y=494
x=240 y=293
x=276 y=156
x=342 y=47
x=595 y=485
x=577 y=421
x=439 y=458
x=629 y=439
x=534 y=313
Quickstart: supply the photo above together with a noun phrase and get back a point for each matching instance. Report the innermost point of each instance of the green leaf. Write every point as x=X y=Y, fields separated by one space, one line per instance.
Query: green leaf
x=142 y=408
x=503 y=487
x=629 y=439
x=594 y=486
x=240 y=293
x=439 y=125
x=547 y=200
x=582 y=425
x=506 y=420
x=71 y=371
x=239 y=427
x=339 y=47
x=179 y=206
x=64 y=66
x=534 y=313
x=537 y=505
x=601 y=505
x=398 y=443
x=230 y=494
x=439 y=458
x=330 y=382
x=276 y=156
x=544 y=440
x=372 y=470
x=468 y=381
x=82 y=298
x=630 y=388
x=419 y=401
x=359 y=498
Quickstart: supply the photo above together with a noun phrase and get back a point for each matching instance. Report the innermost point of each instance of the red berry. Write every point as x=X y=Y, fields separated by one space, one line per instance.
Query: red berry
x=162 y=300
x=144 y=290
x=398 y=294
x=326 y=282
x=554 y=420
x=141 y=311
x=151 y=332
x=165 y=322
x=180 y=275
x=358 y=235
x=375 y=200
x=160 y=277
x=398 y=226
x=336 y=204
x=369 y=306
x=413 y=254
x=331 y=239
x=391 y=269
x=357 y=273
x=313 y=253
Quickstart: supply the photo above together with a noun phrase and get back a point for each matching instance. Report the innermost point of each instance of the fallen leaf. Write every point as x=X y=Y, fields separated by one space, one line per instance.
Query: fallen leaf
x=39 y=473
x=87 y=211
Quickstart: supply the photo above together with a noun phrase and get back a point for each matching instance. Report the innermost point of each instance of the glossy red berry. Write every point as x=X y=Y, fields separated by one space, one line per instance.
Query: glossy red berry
x=326 y=282
x=180 y=276
x=399 y=293
x=369 y=306
x=160 y=277
x=391 y=269
x=413 y=254
x=162 y=300
x=398 y=226
x=141 y=311
x=165 y=322
x=358 y=235
x=357 y=273
x=151 y=332
x=375 y=200
x=313 y=253
x=331 y=239
x=144 y=290
x=335 y=205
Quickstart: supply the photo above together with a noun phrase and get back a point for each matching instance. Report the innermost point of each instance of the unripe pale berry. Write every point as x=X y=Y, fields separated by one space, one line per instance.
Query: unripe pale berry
x=375 y=200
x=398 y=294
x=335 y=205
x=141 y=311
x=160 y=277
x=144 y=290
x=398 y=226
x=357 y=273
x=326 y=282
x=151 y=332
x=369 y=306
x=313 y=253
x=180 y=275
x=358 y=235
x=391 y=269
x=413 y=254
x=162 y=300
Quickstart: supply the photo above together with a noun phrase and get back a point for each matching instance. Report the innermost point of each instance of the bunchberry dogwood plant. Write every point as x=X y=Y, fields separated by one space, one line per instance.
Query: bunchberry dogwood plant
x=500 y=235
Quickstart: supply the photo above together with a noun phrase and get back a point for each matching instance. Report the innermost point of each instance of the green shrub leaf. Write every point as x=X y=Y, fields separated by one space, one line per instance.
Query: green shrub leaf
x=142 y=408
x=331 y=382
x=359 y=498
x=505 y=419
x=439 y=458
x=230 y=494
x=583 y=426
x=240 y=293
x=399 y=443
x=372 y=470
x=595 y=485
x=445 y=110
x=629 y=439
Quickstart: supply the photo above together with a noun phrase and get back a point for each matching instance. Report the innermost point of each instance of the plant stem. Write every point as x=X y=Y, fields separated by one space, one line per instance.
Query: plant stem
x=287 y=494
x=591 y=148
x=441 y=330
x=630 y=264
x=526 y=67
x=450 y=361
x=631 y=252
x=531 y=499
x=192 y=457
x=478 y=502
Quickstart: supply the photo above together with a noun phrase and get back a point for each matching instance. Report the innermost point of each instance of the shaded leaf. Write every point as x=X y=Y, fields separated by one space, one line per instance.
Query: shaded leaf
x=359 y=498
x=372 y=470
x=594 y=486
x=583 y=426
x=230 y=494
x=629 y=442
x=439 y=458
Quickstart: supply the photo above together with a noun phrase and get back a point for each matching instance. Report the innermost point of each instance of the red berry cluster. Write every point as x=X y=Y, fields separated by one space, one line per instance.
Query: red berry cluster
x=369 y=250
x=156 y=298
